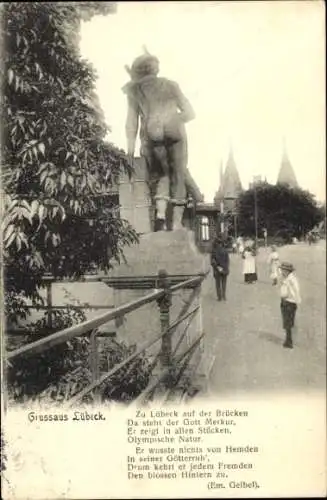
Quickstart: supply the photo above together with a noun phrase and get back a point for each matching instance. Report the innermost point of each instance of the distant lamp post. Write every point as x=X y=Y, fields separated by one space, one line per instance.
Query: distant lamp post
x=265 y=235
x=256 y=180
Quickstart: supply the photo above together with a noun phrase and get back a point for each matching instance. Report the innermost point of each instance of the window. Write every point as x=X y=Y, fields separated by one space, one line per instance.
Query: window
x=205 y=234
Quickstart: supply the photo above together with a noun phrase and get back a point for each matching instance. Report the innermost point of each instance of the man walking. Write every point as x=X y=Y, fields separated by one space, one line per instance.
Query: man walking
x=220 y=266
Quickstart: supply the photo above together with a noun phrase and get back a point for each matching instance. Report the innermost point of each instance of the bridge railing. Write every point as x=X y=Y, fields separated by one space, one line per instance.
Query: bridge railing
x=171 y=361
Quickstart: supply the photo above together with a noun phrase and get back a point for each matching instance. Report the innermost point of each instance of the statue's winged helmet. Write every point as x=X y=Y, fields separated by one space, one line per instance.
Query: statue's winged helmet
x=144 y=65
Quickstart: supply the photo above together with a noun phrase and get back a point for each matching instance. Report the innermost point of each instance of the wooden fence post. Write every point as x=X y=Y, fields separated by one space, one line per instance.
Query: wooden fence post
x=164 y=304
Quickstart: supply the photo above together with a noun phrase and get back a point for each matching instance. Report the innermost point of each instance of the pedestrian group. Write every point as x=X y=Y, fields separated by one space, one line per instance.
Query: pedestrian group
x=282 y=273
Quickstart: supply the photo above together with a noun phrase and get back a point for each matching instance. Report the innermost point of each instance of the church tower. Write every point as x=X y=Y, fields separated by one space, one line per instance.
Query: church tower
x=286 y=173
x=226 y=197
x=230 y=184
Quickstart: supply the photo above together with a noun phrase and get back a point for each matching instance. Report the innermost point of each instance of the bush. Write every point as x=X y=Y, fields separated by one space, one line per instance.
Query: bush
x=63 y=371
x=131 y=380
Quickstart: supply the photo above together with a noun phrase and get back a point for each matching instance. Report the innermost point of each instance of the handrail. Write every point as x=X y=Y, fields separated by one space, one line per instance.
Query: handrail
x=82 y=328
x=127 y=360
x=182 y=337
x=180 y=372
x=191 y=281
x=166 y=372
x=97 y=278
x=77 y=330
x=112 y=372
x=72 y=306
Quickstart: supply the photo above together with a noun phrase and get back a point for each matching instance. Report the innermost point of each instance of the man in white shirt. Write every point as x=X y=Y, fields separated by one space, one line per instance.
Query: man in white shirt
x=290 y=299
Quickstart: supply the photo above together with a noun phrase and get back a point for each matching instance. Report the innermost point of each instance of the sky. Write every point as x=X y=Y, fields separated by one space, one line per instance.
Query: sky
x=254 y=73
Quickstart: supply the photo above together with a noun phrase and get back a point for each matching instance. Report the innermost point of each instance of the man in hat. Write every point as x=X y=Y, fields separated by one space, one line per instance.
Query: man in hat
x=290 y=299
x=162 y=110
x=220 y=266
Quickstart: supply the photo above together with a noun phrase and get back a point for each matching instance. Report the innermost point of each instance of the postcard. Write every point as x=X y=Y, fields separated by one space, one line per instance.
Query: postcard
x=163 y=250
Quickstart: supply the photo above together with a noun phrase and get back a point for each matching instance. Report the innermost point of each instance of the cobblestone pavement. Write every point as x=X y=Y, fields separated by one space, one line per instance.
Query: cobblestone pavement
x=244 y=335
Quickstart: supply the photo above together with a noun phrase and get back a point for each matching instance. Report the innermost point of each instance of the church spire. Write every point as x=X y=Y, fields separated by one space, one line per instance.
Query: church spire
x=231 y=182
x=286 y=173
x=230 y=185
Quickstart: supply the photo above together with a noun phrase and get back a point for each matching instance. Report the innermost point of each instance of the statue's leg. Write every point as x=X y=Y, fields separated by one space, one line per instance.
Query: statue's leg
x=162 y=194
x=151 y=180
x=177 y=157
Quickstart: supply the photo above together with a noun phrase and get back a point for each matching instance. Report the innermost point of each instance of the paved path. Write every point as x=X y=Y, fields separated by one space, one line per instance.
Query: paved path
x=245 y=336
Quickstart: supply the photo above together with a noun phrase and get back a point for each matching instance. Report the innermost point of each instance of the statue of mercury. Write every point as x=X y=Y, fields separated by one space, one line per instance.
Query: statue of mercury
x=160 y=109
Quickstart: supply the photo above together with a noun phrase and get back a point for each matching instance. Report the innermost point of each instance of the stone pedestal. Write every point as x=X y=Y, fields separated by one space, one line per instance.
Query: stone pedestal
x=176 y=253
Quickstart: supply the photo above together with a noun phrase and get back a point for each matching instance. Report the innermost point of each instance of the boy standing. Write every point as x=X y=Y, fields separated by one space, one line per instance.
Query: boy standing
x=290 y=299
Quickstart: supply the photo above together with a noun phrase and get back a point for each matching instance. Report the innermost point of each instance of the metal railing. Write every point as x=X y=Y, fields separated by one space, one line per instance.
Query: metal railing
x=128 y=282
x=168 y=357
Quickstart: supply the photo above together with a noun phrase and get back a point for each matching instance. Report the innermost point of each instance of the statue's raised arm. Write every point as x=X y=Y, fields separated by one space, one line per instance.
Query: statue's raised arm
x=158 y=110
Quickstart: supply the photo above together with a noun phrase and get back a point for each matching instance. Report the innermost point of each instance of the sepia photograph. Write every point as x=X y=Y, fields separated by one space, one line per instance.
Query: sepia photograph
x=163 y=249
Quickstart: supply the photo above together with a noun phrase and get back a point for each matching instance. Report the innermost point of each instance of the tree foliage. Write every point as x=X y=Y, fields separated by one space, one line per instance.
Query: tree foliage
x=58 y=171
x=280 y=209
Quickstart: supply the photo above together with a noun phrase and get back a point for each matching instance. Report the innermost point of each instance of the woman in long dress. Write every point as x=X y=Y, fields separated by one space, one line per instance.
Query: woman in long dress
x=249 y=264
x=273 y=261
x=240 y=245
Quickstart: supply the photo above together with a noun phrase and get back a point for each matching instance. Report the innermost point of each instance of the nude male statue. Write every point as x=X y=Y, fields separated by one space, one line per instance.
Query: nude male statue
x=160 y=108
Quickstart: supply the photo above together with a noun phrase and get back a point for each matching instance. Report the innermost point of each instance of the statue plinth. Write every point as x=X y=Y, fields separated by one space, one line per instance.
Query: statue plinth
x=174 y=251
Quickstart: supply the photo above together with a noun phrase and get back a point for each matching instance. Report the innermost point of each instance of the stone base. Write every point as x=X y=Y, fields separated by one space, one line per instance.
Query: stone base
x=174 y=251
